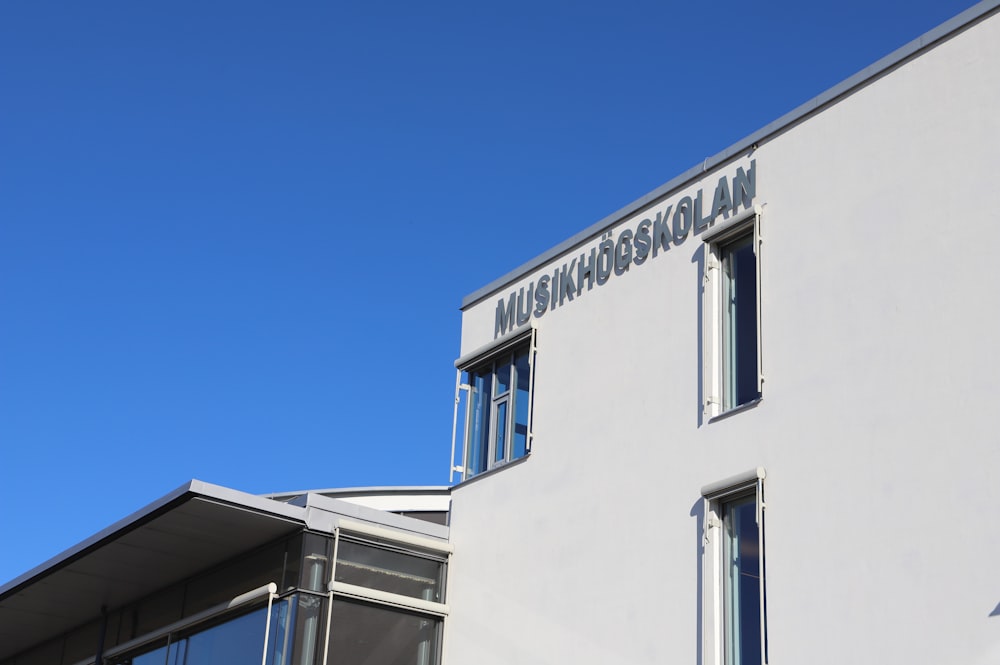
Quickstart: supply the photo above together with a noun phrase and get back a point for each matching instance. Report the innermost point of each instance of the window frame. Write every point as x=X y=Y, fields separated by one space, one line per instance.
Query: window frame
x=485 y=361
x=720 y=377
x=370 y=535
x=716 y=592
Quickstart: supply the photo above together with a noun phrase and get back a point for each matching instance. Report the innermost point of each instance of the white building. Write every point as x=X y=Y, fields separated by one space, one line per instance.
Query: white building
x=808 y=319
x=746 y=419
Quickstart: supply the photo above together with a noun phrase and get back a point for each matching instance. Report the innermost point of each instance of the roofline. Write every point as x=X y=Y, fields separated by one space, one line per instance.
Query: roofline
x=189 y=490
x=366 y=491
x=845 y=87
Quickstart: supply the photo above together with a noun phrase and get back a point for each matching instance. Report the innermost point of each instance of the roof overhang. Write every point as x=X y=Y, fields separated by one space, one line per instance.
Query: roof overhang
x=192 y=528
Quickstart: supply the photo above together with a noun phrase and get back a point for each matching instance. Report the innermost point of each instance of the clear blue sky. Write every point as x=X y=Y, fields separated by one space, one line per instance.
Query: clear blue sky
x=234 y=236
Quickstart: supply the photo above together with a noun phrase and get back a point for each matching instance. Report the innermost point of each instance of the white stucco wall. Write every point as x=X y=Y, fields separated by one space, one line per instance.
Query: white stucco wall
x=880 y=323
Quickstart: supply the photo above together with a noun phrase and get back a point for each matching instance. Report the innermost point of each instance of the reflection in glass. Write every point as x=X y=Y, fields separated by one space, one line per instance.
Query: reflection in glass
x=503 y=376
x=362 y=633
x=481 y=383
x=742 y=582
x=499 y=453
x=158 y=656
x=522 y=374
x=388 y=570
x=237 y=642
x=739 y=264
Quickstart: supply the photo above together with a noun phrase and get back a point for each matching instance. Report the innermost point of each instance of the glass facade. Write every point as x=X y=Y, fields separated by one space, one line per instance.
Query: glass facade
x=301 y=623
x=239 y=641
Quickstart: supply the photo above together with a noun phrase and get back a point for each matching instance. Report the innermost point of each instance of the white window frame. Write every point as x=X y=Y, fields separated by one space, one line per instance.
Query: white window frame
x=714 y=593
x=376 y=536
x=717 y=376
x=501 y=347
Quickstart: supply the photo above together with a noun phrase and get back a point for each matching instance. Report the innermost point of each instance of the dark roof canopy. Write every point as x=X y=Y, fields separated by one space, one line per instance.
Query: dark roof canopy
x=188 y=530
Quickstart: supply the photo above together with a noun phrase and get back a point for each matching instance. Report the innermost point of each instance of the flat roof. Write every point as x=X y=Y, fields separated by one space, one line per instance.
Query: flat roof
x=814 y=105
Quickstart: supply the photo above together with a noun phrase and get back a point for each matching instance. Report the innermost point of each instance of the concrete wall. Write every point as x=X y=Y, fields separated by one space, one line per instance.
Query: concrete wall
x=880 y=321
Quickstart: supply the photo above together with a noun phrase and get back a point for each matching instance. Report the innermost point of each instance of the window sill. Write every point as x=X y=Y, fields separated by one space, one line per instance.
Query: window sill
x=736 y=409
x=489 y=472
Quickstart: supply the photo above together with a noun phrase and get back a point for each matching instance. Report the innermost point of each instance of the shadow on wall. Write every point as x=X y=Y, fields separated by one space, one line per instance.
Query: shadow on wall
x=698 y=513
x=698 y=258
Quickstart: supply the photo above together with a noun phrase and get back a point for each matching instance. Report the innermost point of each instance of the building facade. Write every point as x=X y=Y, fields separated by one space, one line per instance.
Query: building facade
x=746 y=419
x=752 y=410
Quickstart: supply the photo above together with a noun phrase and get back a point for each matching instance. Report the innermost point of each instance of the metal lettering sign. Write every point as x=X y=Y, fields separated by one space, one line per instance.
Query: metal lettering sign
x=614 y=256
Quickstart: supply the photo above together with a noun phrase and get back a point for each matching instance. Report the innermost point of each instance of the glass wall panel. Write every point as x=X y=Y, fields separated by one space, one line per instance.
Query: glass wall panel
x=316 y=557
x=389 y=570
x=236 y=641
x=375 y=635
x=293 y=564
x=310 y=626
x=239 y=641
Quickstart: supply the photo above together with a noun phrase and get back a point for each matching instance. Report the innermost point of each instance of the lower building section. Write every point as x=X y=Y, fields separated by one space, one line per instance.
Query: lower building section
x=343 y=584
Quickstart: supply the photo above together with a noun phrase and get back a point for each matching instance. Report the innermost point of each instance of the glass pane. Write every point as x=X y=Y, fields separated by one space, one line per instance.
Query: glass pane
x=480 y=403
x=740 y=325
x=374 y=635
x=522 y=378
x=237 y=642
x=158 y=656
x=500 y=449
x=388 y=570
x=280 y=633
x=314 y=561
x=310 y=623
x=742 y=582
x=503 y=375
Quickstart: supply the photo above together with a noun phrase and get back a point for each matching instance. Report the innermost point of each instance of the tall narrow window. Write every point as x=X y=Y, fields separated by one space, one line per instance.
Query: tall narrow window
x=739 y=321
x=734 y=592
x=731 y=326
x=498 y=406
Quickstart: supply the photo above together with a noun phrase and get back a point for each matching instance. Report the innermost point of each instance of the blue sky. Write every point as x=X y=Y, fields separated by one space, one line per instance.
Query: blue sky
x=234 y=236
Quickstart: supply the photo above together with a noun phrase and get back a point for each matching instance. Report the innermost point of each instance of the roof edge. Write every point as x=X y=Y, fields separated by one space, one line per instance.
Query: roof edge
x=189 y=490
x=848 y=85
